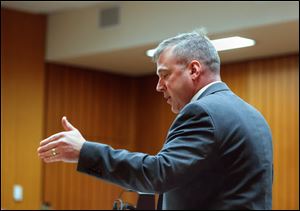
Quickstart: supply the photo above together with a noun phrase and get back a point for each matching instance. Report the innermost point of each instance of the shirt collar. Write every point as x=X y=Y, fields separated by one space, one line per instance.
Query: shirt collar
x=197 y=95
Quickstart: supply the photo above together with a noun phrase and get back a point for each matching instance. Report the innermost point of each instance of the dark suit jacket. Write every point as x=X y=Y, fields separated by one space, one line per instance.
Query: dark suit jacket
x=217 y=155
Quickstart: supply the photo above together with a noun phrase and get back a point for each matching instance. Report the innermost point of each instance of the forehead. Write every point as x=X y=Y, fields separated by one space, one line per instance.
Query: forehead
x=165 y=61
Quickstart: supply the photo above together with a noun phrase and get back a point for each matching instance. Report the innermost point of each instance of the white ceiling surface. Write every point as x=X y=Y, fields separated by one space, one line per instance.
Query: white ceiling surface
x=75 y=38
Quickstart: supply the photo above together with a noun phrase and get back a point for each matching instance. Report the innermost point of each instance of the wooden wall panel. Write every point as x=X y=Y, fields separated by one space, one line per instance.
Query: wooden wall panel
x=22 y=97
x=102 y=107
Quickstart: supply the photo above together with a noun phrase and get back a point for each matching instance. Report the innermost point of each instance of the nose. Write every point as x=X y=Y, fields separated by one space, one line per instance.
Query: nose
x=160 y=85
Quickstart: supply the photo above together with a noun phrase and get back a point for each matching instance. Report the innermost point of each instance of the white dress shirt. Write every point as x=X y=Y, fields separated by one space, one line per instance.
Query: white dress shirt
x=202 y=90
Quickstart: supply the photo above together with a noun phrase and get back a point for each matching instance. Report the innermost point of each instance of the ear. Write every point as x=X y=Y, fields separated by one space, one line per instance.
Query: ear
x=195 y=69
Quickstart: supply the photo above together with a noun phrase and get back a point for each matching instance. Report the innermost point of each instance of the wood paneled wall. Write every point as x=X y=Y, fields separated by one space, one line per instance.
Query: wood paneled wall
x=22 y=106
x=102 y=106
x=128 y=113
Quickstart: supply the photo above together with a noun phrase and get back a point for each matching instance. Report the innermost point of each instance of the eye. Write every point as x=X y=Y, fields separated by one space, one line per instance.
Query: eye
x=166 y=75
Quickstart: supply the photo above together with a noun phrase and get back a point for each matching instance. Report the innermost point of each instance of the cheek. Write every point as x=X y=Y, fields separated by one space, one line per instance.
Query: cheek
x=172 y=86
x=178 y=85
x=174 y=80
x=175 y=89
x=183 y=90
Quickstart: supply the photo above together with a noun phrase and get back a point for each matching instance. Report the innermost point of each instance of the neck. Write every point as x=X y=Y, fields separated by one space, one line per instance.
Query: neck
x=206 y=80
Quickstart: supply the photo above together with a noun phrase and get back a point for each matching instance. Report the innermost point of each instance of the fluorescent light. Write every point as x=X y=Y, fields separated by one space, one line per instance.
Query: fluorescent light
x=223 y=44
x=150 y=52
x=232 y=43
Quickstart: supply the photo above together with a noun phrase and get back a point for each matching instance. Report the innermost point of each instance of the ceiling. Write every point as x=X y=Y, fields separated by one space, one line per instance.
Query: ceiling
x=271 y=40
x=274 y=38
x=48 y=7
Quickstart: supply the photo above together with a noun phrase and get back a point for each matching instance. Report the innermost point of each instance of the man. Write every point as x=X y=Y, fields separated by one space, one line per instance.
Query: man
x=218 y=151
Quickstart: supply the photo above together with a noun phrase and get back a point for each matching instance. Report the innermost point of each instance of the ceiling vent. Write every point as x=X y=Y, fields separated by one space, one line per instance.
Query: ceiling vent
x=109 y=17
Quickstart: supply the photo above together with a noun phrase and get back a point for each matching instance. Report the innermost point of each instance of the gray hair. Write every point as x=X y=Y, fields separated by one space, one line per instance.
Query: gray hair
x=190 y=46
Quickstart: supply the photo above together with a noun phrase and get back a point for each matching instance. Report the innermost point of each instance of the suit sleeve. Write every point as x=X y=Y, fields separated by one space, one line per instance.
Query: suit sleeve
x=186 y=152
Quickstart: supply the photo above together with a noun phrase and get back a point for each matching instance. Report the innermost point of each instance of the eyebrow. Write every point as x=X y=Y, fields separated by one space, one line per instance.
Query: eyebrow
x=161 y=70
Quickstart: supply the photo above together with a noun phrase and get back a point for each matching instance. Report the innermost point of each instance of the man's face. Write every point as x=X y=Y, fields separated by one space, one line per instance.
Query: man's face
x=174 y=82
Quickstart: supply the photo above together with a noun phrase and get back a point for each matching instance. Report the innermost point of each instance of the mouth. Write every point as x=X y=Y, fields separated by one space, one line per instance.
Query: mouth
x=168 y=99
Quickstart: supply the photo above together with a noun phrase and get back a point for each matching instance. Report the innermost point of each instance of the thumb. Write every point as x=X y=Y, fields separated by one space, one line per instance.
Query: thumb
x=66 y=124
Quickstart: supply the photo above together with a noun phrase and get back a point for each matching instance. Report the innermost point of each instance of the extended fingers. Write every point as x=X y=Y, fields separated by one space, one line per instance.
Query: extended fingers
x=52 y=138
x=49 y=153
x=52 y=158
x=49 y=146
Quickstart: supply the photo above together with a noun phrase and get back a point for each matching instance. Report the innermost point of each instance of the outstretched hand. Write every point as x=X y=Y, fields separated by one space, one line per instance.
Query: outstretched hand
x=64 y=146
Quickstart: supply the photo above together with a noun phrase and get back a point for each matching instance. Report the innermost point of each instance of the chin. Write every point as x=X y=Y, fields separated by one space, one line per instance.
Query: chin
x=175 y=111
